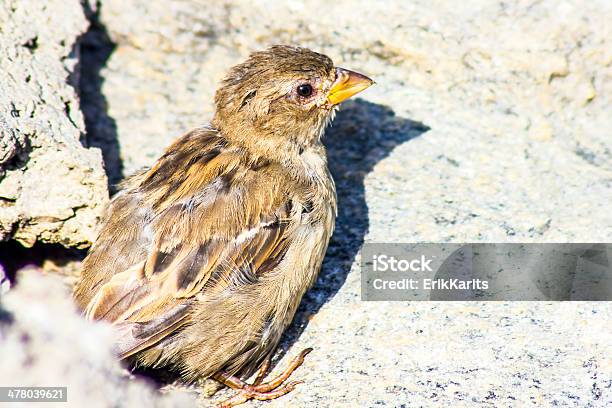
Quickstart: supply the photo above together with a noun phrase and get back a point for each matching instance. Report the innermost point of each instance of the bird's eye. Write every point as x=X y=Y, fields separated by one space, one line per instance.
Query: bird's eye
x=304 y=90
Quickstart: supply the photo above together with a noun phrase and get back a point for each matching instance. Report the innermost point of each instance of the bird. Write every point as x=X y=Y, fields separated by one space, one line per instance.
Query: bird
x=202 y=259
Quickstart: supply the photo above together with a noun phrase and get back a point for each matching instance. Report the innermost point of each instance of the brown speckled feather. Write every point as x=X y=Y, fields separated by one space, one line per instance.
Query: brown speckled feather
x=203 y=259
x=180 y=238
x=167 y=237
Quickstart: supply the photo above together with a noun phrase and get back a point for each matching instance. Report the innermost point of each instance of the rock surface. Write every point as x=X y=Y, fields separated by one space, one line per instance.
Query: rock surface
x=46 y=343
x=489 y=122
x=52 y=189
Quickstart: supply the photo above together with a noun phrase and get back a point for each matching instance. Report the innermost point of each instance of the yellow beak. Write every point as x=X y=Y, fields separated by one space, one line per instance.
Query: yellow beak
x=347 y=84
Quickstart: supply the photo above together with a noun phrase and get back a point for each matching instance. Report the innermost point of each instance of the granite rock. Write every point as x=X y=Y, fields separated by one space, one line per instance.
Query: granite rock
x=489 y=122
x=44 y=342
x=52 y=188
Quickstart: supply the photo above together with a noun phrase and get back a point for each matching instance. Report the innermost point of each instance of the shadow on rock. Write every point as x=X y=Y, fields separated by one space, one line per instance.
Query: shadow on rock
x=96 y=49
x=14 y=257
x=362 y=135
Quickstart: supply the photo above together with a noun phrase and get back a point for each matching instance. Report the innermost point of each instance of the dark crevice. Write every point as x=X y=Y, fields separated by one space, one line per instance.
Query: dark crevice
x=96 y=48
x=31 y=44
x=20 y=158
x=14 y=111
x=67 y=112
x=54 y=257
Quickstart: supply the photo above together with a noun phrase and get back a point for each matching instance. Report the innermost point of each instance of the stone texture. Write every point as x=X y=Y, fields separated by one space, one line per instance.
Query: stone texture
x=46 y=343
x=489 y=122
x=52 y=189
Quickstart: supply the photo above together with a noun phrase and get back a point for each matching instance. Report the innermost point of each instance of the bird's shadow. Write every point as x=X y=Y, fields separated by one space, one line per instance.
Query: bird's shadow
x=362 y=135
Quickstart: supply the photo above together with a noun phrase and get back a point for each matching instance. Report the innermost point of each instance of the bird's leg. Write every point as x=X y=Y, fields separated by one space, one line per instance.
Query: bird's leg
x=261 y=373
x=260 y=390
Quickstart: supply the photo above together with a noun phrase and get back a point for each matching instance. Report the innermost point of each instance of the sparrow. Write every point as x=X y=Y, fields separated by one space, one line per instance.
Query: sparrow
x=203 y=259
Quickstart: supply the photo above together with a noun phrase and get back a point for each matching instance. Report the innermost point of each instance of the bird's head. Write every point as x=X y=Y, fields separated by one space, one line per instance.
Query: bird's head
x=283 y=96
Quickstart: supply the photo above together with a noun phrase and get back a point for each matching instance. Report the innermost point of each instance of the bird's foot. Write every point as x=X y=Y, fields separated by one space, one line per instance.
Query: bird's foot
x=261 y=390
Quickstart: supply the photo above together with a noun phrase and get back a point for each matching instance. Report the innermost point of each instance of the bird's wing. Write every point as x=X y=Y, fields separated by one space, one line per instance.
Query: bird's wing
x=205 y=223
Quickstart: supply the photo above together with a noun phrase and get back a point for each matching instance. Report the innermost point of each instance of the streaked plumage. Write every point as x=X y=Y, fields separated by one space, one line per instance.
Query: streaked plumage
x=203 y=259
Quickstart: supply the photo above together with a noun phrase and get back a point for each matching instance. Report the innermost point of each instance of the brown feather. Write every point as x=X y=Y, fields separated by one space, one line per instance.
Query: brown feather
x=202 y=260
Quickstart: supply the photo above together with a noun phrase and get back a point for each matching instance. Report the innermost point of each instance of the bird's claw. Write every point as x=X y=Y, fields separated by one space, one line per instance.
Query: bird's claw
x=260 y=390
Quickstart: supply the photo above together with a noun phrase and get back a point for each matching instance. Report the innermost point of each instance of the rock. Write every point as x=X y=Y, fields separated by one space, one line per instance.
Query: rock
x=52 y=188
x=488 y=122
x=44 y=342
